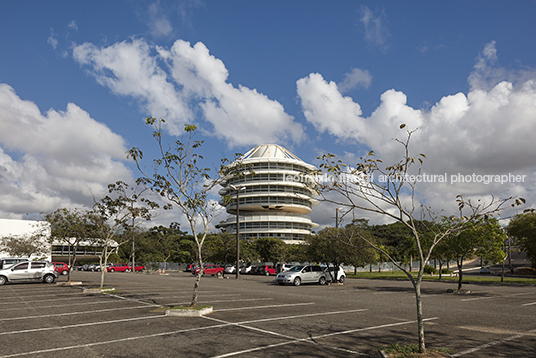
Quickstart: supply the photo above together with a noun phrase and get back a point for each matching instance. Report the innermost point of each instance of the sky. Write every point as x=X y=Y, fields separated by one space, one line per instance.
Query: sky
x=78 y=79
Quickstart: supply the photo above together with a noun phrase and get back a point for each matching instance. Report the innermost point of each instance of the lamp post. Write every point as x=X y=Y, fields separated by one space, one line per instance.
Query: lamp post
x=237 y=189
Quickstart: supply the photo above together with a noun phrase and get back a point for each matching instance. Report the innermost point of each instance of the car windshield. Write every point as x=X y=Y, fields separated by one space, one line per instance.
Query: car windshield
x=296 y=268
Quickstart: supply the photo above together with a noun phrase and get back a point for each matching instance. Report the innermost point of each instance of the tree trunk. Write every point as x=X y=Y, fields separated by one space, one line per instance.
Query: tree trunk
x=460 y=274
x=420 y=322
x=198 y=277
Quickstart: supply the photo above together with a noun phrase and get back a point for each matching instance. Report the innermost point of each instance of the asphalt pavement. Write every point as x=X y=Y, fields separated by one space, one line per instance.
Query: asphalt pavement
x=254 y=317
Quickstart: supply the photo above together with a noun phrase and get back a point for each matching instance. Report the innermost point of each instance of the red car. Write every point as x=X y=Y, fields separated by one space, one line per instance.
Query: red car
x=137 y=267
x=210 y=270
x=266 y=270
x=61 y=267
x=119 y=268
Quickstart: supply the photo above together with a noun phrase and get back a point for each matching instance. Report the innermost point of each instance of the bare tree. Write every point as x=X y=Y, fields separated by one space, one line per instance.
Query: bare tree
x=33 y=243
x=391 y=191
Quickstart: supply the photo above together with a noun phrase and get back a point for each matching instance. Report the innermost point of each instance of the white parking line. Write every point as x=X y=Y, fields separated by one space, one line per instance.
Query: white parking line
x=55 y=306
x=145 y=337
x=529 y=304
x=81 y=325
x=491 y=344
x=75 y=313
x=310 y=339
x=501 y=296
x=258 y=307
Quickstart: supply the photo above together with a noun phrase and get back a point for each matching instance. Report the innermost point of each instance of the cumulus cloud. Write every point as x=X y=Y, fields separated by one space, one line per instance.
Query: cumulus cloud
x=58 y=159
x=488 y=131
x=357 y=77
x=180 y=82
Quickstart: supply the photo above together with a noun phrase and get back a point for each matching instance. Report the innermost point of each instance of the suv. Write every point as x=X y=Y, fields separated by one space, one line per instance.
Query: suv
x=29 y=271
x=137 y=267
x=61 y=267
x=302 y=274
x=7 y=262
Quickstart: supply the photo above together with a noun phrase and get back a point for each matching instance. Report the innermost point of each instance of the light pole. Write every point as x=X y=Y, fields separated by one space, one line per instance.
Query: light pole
x=237 y=189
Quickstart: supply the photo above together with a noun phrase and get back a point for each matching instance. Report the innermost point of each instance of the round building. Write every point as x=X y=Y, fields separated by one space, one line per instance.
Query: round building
x=274 y=198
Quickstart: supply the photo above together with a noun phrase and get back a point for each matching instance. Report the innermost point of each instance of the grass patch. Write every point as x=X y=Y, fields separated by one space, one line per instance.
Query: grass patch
x=410 y=350
x=399 y=275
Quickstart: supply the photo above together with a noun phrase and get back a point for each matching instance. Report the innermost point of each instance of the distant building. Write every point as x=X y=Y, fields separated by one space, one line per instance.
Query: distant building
x=57 y=251
x=274 y=199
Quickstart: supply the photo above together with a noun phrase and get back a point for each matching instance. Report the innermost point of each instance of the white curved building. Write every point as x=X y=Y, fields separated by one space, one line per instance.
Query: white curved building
x=273 y=197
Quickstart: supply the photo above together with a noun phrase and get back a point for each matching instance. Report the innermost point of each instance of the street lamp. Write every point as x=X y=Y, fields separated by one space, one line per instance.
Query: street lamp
x=237 y=189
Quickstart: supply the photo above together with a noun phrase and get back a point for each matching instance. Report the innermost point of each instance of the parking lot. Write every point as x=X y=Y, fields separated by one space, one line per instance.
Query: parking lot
x=254 y=317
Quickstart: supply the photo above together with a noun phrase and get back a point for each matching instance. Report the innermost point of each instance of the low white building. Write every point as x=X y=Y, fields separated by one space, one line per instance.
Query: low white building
x=56 y=251
x=24 y=229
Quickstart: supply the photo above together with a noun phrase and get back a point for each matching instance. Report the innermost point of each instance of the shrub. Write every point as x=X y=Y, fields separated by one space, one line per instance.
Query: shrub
x=429 y=269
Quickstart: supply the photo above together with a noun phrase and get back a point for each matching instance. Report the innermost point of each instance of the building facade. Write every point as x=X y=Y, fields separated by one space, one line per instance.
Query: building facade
x=274 y=199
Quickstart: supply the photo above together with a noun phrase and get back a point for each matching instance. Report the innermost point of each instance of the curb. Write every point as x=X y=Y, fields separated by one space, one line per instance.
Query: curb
x=189 y=312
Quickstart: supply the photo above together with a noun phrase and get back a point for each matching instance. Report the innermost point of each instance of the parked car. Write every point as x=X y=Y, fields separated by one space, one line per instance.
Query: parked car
x=119 y=268
x=61 y=267
x=266 y=270
x=302 y=274
x=210 y=269
x=190 y=268
x=485 y=269
x=29 y=271
x=7 y=262
x=330 y=274
x=230 y=269
x=137 y=267
x=283 y=267
x=246 y=268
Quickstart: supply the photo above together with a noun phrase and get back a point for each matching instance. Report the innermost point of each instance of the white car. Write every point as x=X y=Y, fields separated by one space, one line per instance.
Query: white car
x=330 y=273
x=230 y=269
x=245 y=269
x=29 y=271
x=302 y=274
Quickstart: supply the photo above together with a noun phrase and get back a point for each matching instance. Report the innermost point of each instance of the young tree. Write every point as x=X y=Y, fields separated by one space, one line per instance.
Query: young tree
x=71 y=227
x=483 y=237
x=178 y=178
x=390 y=191
x=523 y=228
x=113 y=214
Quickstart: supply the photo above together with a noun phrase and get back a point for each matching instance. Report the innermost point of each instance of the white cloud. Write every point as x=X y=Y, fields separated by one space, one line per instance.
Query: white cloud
x=54 y=160
x=357 y=77
x=490 y=130
x=176 y=84
x=158 y=22
x=376 y=31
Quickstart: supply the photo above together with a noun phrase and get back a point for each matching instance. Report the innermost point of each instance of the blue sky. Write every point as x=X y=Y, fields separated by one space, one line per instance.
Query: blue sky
x=77 y=80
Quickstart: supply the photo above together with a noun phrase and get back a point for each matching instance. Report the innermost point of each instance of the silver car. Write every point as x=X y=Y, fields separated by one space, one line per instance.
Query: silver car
x=299 y=274
x=29 y=271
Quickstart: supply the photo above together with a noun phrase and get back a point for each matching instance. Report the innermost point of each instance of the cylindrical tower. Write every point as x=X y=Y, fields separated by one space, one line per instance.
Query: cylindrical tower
x=273 y=196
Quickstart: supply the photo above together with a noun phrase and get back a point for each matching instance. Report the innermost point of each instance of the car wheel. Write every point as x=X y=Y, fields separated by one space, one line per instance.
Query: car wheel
x=3 y=280
x=49 y=279
x=219 y=274
x=341 y=279
x=112 y=270
x=267 y=273
x=322 y=281
x=297 y=281
x=64 y=272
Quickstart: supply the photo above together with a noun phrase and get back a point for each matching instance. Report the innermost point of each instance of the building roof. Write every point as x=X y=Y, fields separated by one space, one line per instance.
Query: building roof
x=270 y=151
